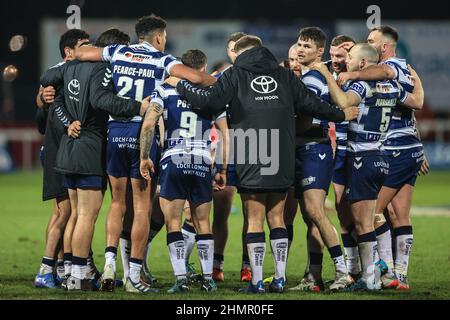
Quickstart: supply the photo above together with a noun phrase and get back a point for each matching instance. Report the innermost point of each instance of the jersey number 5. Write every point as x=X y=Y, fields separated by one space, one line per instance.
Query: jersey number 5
x=385 y=119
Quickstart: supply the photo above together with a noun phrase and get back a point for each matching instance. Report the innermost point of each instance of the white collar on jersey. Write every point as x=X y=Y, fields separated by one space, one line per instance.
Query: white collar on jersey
x=147 y=45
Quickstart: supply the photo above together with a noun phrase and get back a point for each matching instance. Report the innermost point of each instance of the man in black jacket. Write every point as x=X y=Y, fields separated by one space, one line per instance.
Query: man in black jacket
x=263 y=98
x=89 y=98
x=52 y=129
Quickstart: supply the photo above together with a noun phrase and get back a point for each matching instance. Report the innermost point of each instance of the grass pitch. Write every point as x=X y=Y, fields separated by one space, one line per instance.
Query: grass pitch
x=24 y=218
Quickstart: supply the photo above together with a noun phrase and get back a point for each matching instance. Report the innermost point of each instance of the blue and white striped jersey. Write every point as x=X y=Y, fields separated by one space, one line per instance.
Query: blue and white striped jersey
x=317 y=83
x=186 y=132
x=341 y=127
x=138 y=69
x=367 y=132
x=402 y=132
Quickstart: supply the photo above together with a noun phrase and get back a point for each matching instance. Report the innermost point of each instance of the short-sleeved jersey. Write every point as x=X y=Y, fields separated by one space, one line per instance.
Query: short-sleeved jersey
x=367 y=132
x=402 y=132
x=137 y=69
x=186 y=132
x=341 y=127
x=317 y=83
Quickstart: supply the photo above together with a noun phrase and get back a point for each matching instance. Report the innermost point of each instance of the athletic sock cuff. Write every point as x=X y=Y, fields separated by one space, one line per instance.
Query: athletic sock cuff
x=111 y=249
x=200 y=237
x=187 y=227
x=405 y=230
x=68 y=256
x=174 y=237
x=136 y=261
x=348 y=241
x=125 y=235
x=278 y=233
x=79 y=261
x=255 y=237
x=48 y=261
x=382 y=229
x=335 y=251
x=367 y=237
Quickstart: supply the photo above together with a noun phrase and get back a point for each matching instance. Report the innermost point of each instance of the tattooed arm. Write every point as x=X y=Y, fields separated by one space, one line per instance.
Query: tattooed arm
x=151 y=118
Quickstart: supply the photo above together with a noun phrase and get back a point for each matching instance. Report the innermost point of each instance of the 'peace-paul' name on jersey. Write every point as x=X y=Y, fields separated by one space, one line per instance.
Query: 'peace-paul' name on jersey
x=367 y=132
x=402 y=133
x=137 y=70
x=186 y=132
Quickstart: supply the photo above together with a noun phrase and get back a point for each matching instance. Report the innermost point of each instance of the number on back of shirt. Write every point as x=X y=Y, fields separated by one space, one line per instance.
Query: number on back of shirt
x=385 y=119
x=127 y=83
x=188 y=124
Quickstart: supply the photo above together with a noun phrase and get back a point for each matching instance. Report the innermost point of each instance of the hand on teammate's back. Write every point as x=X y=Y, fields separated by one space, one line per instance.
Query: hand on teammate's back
x=74 y=129
x=173 y=81
x=344 y=77
x=146 y=167
x=145 y=104
x=48 y=94
x=351 y=113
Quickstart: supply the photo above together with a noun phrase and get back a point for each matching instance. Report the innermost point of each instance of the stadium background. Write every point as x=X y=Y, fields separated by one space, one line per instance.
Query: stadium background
x=424 y=37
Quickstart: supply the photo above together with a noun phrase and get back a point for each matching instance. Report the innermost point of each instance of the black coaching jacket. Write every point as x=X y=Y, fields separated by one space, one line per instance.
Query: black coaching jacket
x=262 y=96
x=88 y=98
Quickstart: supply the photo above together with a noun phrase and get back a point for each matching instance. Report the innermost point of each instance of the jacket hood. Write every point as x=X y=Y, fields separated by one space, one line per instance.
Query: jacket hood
x=257 y=60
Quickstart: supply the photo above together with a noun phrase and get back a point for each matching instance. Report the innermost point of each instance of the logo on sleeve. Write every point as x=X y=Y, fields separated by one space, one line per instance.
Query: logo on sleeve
x=358 y=88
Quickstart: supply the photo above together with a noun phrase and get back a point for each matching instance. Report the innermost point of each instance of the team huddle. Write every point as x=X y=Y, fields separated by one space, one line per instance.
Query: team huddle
x=170 y=139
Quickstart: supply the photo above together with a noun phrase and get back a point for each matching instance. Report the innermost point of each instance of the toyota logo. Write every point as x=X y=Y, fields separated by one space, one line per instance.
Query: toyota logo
x=264 y=84
x=74 y=87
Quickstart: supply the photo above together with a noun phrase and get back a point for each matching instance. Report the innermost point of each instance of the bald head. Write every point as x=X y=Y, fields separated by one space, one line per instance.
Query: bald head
x=294 y=64
x=361 y=56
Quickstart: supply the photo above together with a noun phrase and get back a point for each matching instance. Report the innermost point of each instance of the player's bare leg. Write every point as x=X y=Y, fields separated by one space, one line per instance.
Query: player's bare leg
x=348 y=234
x=384 y=238
x=363 y=214
x=113 y=230
x=200 y=214
x=223 y=202
x=172 y=210
x=313 y=203
x=88 y=205
x=403 y=233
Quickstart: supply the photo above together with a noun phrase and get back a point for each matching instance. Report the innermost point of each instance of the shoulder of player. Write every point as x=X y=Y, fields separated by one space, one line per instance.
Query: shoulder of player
x=165 y=90
x=314 y=75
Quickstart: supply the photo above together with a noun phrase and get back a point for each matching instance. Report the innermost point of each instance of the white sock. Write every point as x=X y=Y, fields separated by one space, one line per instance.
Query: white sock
x=205 y=250
x=135 y=270
x=352 y=260
x=79 y=271
x=189 y=239
x=125 y=251
x=403 y=245
x=279 y=243
x=256 y=253
x=385 y=249
x=110 y=259
x=367 y=251
x=60 y=269
x=67 y=267
x=47 y=268
x=177 y=248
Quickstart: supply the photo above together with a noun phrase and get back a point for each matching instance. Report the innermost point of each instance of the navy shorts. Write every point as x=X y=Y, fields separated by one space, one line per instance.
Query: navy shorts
x=404 y=166
x=365 y=177
x=231 y=174
x=186 y=180
x=84 y=182
x=313 y=168
x=339 y=167
x=123 y=153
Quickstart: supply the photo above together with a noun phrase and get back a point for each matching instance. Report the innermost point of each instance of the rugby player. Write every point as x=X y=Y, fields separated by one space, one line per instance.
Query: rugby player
x=137 y=70
x=314 y=170
x=405 y=157
x=185 y=172
x=366 y=165
x=52 y=182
